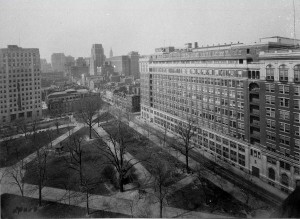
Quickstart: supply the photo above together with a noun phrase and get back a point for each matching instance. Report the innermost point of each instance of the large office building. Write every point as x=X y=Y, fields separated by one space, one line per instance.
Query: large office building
x=134 y=64
x=97 y=58
x=121 y=64
x=58 y=61
x=244 y=101
x=20 y=84
x=126 y=65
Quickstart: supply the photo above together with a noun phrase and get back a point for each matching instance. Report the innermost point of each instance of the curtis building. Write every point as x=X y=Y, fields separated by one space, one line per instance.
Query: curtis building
x=244 y=101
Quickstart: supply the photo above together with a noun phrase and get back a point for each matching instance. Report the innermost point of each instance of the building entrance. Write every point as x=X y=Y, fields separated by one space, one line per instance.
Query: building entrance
x=255 y=171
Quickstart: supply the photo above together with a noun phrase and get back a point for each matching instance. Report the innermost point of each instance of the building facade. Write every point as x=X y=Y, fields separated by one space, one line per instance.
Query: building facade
x=20 y=84
x=232 y=93
x=121 y=64
x=67 y=101
x=134 y=64
x=97 y=58
x=45 y=66
x=58 y=61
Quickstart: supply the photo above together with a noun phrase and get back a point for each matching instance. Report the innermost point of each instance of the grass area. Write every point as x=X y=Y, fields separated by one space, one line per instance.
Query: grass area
x=106 y=116
x=60 y=175
x=10 y=204
x=147 y=152
x=206 y=196
x=12 y=151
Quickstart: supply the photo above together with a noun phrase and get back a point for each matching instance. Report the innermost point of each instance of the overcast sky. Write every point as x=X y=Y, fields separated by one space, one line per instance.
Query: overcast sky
x=72 y=26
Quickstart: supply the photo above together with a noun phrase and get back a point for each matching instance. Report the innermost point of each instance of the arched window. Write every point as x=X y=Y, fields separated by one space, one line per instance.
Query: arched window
x=272 y=173
x=284 y=179
x=297 y=73
x=270 y=73
x=283 y=73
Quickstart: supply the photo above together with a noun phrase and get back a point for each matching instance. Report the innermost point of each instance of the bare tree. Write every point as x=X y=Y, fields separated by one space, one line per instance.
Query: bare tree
x=23 y=126
x=17 y=173
x=75 y=159
x=162 y=183
x=88 y=107
x=185 y=133
x=115 y=150
x=40 y=161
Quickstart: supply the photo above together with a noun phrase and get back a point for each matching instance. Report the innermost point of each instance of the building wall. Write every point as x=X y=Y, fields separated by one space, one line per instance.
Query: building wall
x=58 y=61
x=134 y=64
x=226 y=98
x=97 y=58
x=121 y=64
x=20 y=84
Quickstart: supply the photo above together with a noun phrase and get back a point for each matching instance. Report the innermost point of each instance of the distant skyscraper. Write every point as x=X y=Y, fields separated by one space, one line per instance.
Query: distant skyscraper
x=45 y=66
x=121 y=64
x=97 y=58
x=134 y=64
x=20 y=86
x=111 y=53
x=58 y=61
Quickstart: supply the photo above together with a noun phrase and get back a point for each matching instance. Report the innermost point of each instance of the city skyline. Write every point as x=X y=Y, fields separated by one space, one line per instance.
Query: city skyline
x=72 y=27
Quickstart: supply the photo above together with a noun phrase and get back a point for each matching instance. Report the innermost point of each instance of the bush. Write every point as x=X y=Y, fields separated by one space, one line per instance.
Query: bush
x=110 y=174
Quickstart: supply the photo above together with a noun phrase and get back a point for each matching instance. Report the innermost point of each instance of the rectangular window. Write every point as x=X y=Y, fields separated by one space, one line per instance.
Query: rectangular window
x=297 y=130
x=271 y=136
x=284 y=127
x=270 y=99
x=284 y=102
x=285 y=140
x=270 y=88
x=297 y=104
x=270 y=123
x=297 y=90
x=270 y=112
x=284 y=89
x=285 y=115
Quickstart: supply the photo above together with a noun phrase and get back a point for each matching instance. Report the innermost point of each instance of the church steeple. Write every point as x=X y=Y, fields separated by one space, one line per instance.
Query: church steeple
x=110 y=53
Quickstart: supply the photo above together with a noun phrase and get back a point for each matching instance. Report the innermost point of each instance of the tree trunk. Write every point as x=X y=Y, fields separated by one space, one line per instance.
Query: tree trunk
x=87 y=202
x=57 y=130
x=160 y=208
x=121 y=184
x=91 y=131
x=40 y=192
x=187 y=160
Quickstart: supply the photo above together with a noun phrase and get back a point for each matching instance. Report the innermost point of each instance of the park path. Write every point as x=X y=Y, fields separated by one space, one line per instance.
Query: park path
x=222 y=183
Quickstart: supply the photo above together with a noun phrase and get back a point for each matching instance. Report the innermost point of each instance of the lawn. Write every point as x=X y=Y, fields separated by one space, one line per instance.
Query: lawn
x=10 y=204
x=12 y=151
x=206 y=197
x=60 y=175
x=147 y=152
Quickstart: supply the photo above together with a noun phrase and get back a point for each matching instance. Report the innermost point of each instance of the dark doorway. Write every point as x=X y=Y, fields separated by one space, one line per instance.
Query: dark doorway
x=255 y=171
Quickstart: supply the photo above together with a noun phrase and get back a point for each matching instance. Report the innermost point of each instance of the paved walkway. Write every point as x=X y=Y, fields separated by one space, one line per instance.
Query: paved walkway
x=225 y=185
